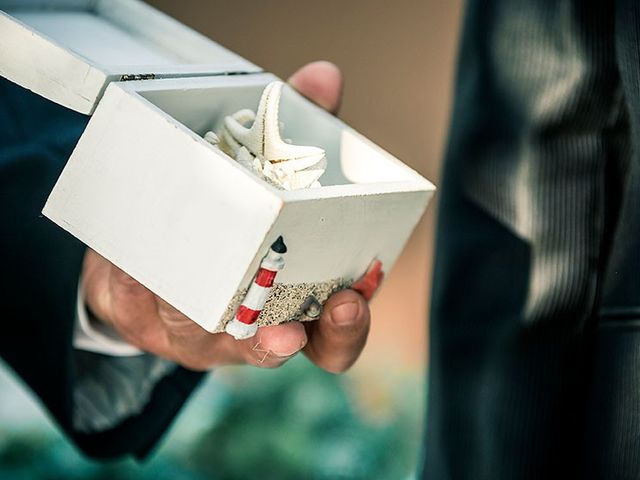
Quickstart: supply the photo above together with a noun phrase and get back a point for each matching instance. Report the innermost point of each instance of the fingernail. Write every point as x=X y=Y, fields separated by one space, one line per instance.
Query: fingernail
x=345 y=313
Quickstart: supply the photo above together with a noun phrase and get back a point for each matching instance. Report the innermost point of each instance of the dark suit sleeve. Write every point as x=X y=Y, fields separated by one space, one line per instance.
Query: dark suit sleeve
x=536 y=146
x=39 y=275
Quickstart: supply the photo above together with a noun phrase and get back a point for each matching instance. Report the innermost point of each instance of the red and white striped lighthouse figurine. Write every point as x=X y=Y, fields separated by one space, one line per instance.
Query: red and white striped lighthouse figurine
x=243 y=324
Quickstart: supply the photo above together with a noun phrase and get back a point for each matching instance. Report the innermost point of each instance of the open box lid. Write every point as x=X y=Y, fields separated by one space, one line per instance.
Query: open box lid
x=70 y=50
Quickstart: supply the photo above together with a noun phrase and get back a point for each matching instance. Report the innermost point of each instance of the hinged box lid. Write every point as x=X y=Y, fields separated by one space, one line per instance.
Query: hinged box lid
x=69 y=50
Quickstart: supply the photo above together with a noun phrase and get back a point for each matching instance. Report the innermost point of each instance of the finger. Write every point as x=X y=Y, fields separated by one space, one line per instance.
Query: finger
x=321 y=82
x=337 y=339
x=189 y=344
x=281 y=341
x=111 y=294
x=133 y=312
x=195 y=348
x=174 y=320
x=271 y=347
x=95 y=284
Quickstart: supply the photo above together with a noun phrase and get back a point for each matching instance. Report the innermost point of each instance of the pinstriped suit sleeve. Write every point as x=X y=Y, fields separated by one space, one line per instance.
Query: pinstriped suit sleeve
x=538 y=139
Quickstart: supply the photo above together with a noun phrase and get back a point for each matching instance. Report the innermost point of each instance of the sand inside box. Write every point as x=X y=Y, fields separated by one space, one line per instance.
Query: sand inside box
x=287 y=302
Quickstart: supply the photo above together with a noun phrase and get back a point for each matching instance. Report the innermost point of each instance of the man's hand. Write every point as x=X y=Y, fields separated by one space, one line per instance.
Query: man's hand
x=334 y=342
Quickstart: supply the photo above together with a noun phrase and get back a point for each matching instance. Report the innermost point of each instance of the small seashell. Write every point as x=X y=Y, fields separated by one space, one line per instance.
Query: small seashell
x=313 y=308
x=212 y=138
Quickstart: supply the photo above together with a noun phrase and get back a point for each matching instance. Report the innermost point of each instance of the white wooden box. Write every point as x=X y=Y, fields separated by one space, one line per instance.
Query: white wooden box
x=146 y=191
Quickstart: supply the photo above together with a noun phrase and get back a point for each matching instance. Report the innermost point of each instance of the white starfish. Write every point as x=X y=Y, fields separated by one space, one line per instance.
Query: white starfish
x=262 y=149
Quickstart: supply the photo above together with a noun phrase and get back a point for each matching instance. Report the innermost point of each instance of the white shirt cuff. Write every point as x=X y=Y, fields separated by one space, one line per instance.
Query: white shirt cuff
x=92 y=335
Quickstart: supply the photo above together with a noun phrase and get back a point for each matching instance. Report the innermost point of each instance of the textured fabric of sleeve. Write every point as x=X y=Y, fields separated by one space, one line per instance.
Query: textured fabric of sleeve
x=107 y=390
x=537 y=143
x=39 y=280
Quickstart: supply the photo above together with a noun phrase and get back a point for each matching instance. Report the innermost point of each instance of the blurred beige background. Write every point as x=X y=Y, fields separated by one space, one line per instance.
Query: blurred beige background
x=398 y=61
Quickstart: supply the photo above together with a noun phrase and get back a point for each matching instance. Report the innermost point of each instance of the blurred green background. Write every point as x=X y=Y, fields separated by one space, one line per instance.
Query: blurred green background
x=298 y=422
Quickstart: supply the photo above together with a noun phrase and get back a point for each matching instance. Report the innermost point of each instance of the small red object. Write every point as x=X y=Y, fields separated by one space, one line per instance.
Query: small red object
x=247 y=315
x=265 y=277
x=370 y=281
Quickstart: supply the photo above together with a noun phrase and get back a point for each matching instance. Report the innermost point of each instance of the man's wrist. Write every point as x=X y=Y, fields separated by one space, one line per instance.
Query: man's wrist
x=93 y=335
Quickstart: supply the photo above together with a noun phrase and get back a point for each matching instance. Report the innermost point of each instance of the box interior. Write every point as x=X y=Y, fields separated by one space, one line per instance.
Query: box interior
x=117 y=33
x=351 y=158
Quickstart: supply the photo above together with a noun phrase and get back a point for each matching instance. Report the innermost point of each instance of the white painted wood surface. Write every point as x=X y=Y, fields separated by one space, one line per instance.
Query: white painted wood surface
x=163 y=205
x=69 y=50
x=145 y=190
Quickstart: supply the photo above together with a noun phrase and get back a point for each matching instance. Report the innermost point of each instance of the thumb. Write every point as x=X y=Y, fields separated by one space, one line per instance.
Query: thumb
x=321 y=82
x=336 y=340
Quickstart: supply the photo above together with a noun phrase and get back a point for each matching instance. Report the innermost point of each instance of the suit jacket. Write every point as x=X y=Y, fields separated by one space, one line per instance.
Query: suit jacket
x=38 y=282
x=535 y=322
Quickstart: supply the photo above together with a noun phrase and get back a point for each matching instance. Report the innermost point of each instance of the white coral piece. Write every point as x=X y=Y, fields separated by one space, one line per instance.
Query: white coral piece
x=261 y=148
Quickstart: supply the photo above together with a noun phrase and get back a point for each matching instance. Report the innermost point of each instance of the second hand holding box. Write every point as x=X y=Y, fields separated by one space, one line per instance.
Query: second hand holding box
x=146 y=191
